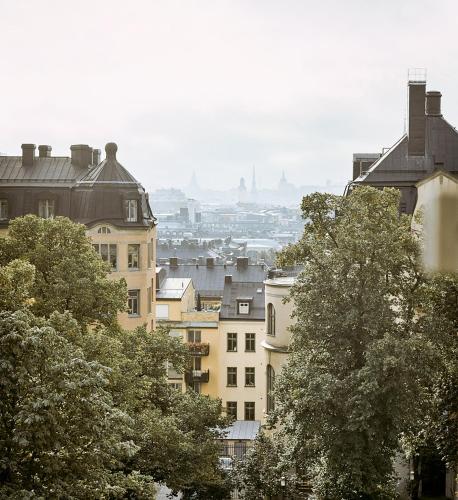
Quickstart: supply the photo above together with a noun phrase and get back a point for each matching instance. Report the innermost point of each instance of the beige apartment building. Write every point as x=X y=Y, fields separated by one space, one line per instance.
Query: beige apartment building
x=104 y=197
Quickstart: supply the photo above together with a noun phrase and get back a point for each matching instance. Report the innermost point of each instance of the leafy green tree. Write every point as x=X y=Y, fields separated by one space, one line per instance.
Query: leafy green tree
x=69 y=275
x=60 y=433
x=353 y=381
x=260 y=473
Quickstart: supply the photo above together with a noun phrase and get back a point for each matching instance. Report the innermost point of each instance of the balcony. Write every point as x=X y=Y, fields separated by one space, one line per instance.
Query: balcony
x=199 y=348
x=197 y=376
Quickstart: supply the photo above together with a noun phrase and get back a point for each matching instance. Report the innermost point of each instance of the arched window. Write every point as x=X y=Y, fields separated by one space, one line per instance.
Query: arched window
x=270 y=319
x=104 y=230
x=270 y=388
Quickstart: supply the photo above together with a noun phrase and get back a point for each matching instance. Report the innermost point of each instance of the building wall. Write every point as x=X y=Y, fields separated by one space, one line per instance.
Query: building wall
x=136 y=279
x=240 y=360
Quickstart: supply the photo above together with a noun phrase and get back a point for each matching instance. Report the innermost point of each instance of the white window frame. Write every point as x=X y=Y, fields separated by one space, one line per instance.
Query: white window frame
x=131 y=256
x=46 y=209
x=133 y=300
x=131 y=207
x=110 y=246
x=244 y=308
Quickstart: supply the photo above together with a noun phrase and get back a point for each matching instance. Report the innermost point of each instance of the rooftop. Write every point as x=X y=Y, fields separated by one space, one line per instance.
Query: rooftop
x=173 y=288
x=243 y=292
x=243 y=429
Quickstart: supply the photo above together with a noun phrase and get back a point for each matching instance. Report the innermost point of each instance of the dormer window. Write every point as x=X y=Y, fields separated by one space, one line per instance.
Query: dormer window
x=3 y=209
x=244 y=308
x=46 y=209
x=104 y=230
x=131 y=210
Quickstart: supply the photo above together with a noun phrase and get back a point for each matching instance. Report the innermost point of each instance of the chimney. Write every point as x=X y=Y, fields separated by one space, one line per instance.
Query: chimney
x=433 y=103
x=210 y=262
x=44 y=151
x=96 y=156
x=173 y=262
x=81 y=155
x=28 y=155
x=228 y=279
x=242 y=263
x=201 y=260
x=417 y=118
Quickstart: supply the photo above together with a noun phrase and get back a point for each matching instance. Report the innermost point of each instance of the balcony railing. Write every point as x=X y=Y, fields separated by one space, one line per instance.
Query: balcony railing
x=199 y=348
x=197 y=376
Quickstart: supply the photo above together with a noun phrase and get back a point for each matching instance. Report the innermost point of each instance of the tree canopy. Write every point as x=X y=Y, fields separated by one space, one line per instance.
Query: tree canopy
x=362 y=359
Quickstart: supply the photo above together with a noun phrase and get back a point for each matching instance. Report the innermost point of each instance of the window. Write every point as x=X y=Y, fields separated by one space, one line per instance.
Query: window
x=244 y=307
x=133 y=302
x=130 y=209
x=270 y=388
x=46 y=209
x=104 y=230
x=249 y=410
x=176 y=386
x=194 y=336
x=232 y=376
x=108 y=253
x=270 y=320
x=3 y=209
x=249 y=376
x=250 y=342
x=150 y=254
x=133 y=256
x=195 y=386
x=232 y=342
x=231 y=409
x=162 y=311
x=149 y=298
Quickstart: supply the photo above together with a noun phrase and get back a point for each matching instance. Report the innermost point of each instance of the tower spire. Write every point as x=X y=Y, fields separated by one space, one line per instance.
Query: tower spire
x=253 y=181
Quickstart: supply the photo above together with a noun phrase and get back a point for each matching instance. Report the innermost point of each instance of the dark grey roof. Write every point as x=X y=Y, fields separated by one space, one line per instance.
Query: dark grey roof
x=109 y=171
x=242 y=430
x=57 y=170
x=243 y=292
x=396 y=167
x=209 y=281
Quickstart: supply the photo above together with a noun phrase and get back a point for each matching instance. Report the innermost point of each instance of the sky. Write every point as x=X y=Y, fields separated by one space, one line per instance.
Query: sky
x=216 y=86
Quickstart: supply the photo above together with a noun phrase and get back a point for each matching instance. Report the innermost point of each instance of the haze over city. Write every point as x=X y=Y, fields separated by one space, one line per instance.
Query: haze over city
x=222 y=87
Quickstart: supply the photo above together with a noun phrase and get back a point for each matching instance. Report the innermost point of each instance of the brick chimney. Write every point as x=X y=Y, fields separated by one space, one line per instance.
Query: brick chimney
x=417 y=118
x=433 y=103
x=44 y=151
x=81 y=155
x=173 y=262
x=210 y=262
x=242 y=263
x=96 y=156
x=28 y=155
x=228 y=279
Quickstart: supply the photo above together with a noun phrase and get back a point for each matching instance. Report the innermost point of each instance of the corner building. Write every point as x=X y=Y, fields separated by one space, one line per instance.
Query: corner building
x=104 y=197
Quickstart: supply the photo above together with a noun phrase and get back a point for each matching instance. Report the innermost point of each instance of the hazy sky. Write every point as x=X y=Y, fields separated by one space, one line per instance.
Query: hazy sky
x=218 y=86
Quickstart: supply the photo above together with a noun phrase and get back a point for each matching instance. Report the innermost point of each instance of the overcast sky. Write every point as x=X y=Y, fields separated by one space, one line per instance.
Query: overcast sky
x=218 y=86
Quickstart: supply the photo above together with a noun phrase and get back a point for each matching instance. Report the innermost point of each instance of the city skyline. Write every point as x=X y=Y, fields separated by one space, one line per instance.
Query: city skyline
x=222 y=86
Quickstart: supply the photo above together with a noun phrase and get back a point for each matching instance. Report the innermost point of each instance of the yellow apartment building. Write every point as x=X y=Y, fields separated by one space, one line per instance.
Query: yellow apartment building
x=104 y=197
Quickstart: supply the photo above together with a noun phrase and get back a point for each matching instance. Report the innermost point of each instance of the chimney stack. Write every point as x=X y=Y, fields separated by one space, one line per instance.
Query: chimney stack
x=228 y=279
x=242 y=263
x=433 y=103
x=81 y=155
x=210 y=262
x=417 y=118
x=44 y=151
x=96 y=156
x=28 y=155
x=173 y=262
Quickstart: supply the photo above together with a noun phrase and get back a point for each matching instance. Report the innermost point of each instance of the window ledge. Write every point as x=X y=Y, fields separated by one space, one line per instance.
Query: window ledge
x=231 y=386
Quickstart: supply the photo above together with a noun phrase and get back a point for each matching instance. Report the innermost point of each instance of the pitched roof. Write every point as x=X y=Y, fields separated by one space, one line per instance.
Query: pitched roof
x=109 y=171
x=242 y=429
x=173 y=288
x=209 y=281
x=49 y=171
x=253 y=293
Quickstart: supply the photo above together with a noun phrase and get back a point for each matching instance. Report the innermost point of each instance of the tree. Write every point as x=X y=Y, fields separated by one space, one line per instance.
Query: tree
x=353 y=381
x=259 y=474
x=69 y=275
x=60 y=433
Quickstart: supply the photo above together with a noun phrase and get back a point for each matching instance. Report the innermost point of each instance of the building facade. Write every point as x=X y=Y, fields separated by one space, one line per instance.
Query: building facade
x=104 y=197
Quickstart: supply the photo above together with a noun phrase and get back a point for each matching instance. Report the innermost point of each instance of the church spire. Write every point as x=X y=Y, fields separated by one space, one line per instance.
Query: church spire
x=253 y=181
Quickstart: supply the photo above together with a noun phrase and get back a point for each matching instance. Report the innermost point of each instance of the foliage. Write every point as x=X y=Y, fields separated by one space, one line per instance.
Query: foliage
x=60 y=433
x=259 y=474
x=69 y=275
x=361 y=362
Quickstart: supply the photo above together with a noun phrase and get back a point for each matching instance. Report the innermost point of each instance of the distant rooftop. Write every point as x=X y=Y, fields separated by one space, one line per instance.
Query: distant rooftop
x=243 y=430
x=173 y=288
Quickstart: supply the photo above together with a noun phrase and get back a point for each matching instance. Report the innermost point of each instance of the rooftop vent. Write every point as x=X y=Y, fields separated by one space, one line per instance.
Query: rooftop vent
x=44 y=151
x=28 y=154
x=242 y=263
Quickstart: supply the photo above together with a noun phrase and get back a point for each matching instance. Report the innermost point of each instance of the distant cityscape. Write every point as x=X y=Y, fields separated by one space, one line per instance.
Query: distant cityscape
x=197 y=223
